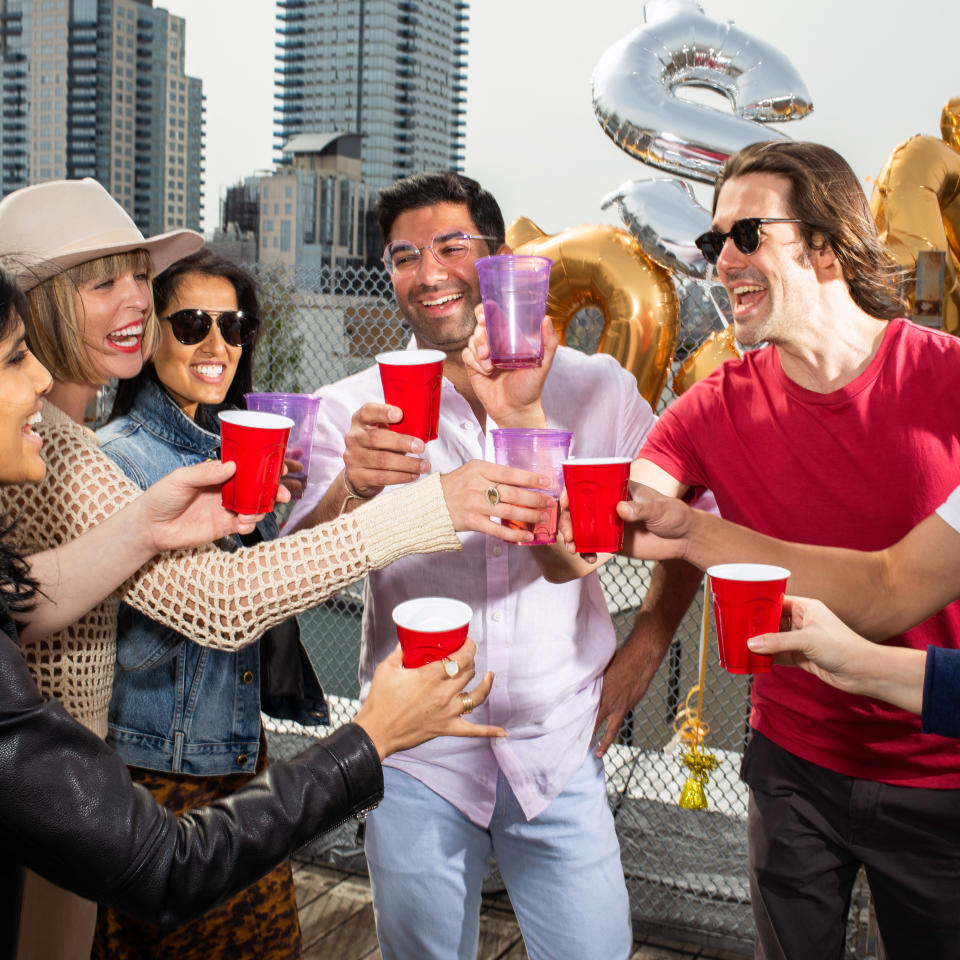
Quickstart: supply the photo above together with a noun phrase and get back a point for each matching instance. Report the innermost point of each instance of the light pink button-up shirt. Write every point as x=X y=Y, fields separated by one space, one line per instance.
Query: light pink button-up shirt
x=547 y=643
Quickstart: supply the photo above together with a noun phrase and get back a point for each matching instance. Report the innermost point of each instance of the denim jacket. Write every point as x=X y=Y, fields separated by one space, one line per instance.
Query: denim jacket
x=178 y=706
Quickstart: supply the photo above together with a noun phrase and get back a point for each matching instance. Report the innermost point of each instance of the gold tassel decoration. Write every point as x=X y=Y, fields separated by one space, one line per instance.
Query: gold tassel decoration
x=689 y=724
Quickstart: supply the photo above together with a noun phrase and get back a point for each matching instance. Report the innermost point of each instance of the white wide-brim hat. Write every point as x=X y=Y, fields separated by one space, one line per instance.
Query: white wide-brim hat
x=50 y=227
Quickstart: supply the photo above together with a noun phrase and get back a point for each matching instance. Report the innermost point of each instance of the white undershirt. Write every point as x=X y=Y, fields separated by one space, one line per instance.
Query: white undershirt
x=950 y=511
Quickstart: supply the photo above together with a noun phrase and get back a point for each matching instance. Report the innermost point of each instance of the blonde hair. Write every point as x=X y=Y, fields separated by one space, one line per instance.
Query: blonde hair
x=55 y=332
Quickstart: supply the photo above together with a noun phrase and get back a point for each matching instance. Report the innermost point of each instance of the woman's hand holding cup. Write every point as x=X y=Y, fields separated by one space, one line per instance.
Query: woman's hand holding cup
x=480 y=490
x=407 y=707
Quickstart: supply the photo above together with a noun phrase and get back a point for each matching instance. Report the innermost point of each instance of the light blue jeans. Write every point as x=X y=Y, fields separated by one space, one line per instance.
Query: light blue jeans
x=562 y=871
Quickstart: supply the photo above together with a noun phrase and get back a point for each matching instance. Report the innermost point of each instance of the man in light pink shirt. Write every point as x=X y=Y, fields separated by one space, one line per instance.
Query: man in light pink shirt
x=537 y=799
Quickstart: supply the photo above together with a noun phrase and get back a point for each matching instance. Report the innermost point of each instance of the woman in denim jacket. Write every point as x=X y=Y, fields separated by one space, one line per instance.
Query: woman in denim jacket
x=185 y=717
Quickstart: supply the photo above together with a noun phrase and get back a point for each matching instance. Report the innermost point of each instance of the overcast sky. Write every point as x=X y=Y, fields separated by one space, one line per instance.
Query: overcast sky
x=878 y=72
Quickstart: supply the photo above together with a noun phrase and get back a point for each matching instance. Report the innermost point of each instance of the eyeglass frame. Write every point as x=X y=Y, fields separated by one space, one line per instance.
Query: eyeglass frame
x=710 y=236
x=211 y=317
x=440 y=234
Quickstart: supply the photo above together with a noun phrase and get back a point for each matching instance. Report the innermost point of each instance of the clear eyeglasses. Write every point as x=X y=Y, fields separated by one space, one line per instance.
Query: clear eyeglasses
x=447 y=246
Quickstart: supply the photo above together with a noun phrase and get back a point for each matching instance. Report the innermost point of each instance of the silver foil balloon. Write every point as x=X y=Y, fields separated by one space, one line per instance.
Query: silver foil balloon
x=704 y=307
x=664 y=217
x=634 y=87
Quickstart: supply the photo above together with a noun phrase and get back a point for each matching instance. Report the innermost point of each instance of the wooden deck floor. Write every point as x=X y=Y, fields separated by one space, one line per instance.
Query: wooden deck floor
x=336 y=918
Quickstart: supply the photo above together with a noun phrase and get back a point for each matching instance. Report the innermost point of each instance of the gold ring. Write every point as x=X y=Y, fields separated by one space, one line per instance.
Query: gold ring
x=451 y=667
x=466 y=701
x=493 y=494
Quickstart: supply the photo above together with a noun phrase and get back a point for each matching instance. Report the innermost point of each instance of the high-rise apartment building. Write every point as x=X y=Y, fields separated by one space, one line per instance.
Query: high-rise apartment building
x=96 y=88
x=313 y=207
x=392 y=71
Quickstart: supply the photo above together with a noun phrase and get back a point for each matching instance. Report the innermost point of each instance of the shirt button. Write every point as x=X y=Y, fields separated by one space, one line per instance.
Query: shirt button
x=497 y=616
x=247 y=676
x=466 y=425
x=497 y=551
x=242 y=759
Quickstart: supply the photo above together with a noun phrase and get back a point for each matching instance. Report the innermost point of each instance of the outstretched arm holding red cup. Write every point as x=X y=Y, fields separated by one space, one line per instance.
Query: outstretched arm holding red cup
x=819 y=642
x=376 y=458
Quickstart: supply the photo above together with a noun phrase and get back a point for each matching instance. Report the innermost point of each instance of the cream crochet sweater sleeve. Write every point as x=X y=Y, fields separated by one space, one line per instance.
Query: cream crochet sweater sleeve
x=217 y=598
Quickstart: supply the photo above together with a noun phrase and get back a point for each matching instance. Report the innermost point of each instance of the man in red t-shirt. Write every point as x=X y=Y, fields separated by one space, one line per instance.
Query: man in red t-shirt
x=843 y=431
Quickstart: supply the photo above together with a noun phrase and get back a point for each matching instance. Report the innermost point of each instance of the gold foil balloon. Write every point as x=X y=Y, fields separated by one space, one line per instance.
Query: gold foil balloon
x=916 y=203
x=604 y=267
x=950 y=123
x=719 y=346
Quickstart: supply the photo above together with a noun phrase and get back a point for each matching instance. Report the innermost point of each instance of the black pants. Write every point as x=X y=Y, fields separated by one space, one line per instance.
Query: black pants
x=810 y=829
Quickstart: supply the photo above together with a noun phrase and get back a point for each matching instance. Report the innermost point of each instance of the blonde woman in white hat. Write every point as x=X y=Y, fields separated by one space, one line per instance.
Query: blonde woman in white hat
x=86 y=270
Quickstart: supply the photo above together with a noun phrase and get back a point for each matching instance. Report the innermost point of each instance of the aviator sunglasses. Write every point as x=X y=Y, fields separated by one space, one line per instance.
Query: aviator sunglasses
x=745 y=235
x=192 y=326
x=447 y=246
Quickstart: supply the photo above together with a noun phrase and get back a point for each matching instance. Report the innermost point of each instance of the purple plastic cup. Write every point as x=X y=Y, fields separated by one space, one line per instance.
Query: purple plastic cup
x=540 y=451
x=301 y=408
x=514 y=290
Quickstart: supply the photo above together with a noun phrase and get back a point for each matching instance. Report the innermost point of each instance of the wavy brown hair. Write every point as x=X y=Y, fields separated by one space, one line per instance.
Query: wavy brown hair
x=826 y=195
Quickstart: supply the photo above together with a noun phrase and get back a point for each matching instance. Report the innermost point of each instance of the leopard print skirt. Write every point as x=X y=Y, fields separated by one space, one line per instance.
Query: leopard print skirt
x=259 y=922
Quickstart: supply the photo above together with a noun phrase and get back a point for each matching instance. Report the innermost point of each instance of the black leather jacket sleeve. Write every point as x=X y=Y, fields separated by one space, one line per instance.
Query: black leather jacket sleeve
x=69 y=811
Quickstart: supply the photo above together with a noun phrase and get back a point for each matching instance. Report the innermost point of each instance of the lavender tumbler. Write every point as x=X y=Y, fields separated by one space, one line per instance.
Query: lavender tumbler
x=514 y=290
x=540 y=451
x=301 y=408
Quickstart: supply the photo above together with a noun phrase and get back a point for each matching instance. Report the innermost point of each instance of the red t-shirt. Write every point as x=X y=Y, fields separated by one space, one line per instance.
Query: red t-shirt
x=859 y=468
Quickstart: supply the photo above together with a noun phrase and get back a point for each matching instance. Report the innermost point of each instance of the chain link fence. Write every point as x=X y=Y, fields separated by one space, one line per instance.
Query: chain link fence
x=686 y=870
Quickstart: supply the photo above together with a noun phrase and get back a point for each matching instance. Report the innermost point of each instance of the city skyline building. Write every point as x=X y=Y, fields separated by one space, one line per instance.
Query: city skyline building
x=310 y=213
x=313 y=207
x=97 y=88
x=391 y=71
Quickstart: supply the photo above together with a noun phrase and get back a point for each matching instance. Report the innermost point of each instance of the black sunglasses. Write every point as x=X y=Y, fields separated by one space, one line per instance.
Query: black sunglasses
x=745 y=235
x=192 y=326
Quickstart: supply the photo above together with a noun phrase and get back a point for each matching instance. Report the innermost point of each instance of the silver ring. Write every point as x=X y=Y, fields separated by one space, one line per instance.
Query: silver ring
x=493 y=494
x=451 y=667
x=466 y=701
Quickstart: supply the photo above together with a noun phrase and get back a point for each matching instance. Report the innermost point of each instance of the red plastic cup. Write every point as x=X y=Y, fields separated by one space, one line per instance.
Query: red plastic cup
x=514 y=290
x=256 y=443
x=411 y=381
x=594 y=488
x=430 y=628
x=747 y=600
